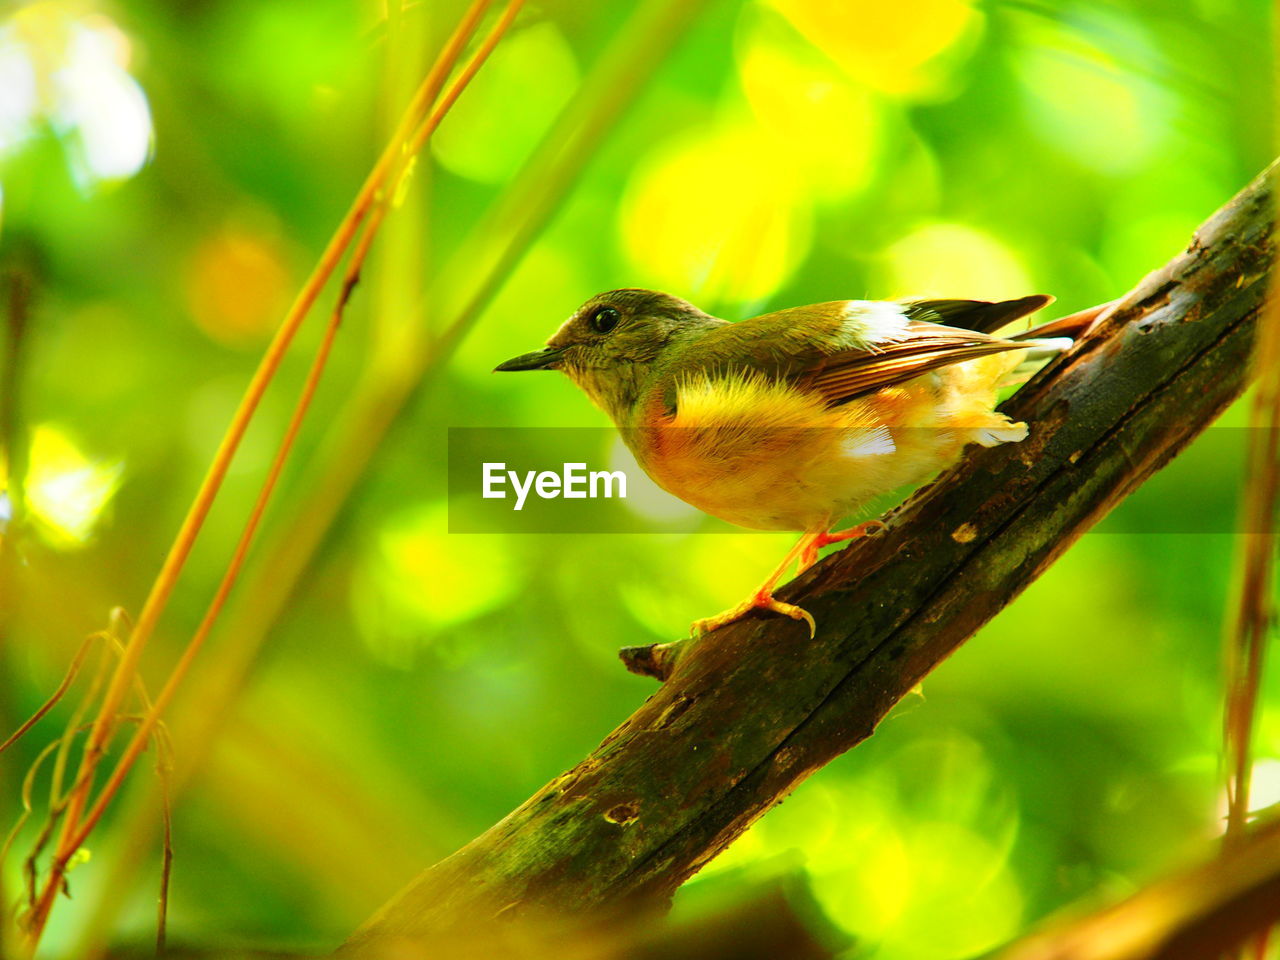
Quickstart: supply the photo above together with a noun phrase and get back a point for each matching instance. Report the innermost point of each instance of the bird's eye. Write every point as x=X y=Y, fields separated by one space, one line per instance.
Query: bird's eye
x=605 y=319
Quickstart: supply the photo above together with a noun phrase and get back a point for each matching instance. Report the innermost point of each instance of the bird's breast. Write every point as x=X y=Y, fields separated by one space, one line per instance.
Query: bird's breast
x=766 y=455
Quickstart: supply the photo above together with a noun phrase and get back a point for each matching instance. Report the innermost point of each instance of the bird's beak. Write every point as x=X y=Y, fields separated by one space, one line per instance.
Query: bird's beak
x=544 y=359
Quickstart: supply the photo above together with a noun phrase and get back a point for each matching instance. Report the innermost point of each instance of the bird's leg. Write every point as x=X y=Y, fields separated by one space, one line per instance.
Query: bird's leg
x=762 y=598
x=809 y=556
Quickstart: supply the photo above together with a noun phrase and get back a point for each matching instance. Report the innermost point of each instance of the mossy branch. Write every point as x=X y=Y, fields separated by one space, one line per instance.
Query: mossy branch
x=749 y=711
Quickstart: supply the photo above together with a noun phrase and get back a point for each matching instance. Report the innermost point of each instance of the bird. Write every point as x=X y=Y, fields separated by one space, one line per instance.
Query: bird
x=797 y=418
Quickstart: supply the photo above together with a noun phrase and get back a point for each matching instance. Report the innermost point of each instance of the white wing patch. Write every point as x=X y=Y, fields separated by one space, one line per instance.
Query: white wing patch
x=870 y=442
x=867 y=323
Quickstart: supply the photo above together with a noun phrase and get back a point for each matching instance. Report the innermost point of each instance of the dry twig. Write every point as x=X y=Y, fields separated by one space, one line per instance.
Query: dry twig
x=1254 y=615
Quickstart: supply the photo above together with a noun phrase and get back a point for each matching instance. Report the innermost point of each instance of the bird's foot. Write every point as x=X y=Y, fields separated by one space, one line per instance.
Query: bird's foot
x=760 y=600
x=809 y=556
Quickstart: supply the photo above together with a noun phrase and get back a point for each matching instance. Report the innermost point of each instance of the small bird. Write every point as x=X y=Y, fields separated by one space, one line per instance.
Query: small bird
x=794 y=419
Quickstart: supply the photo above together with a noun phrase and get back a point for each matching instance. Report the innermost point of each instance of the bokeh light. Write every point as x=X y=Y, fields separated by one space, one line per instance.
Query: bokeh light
x=913 y=858
x=67 y=491
x=1089 y=91
x=238 y=281
x=893 y=47
x=418 y=581
x=817 y=118
x=719 y=215
x=485 y=140
x=70 y=70
x=953 y=260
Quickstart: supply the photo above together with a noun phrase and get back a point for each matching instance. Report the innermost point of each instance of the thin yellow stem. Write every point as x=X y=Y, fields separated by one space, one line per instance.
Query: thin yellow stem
x=73 y=840
x=1255 y=605
x=374 y=404
x=67 y=680
x=1246 y=643
x=141 y=735
x=372 y=191
x=180 y=670
x=469 y=71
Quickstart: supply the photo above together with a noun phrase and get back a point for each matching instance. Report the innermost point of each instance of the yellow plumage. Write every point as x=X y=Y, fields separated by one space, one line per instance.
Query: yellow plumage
x=767 y=455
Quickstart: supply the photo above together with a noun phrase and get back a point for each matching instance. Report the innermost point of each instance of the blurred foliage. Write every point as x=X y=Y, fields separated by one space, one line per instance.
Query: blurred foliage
x=170 y=172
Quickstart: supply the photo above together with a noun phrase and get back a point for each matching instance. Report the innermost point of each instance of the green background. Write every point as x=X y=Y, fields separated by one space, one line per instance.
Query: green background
x=169 y=175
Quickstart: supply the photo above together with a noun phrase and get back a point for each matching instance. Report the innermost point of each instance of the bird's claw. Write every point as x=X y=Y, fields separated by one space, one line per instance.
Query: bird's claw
x=759 y=601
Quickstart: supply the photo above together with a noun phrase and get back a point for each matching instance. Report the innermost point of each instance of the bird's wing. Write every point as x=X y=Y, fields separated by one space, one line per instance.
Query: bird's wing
x=847 y=376
x=981 y=315
x=846 y=349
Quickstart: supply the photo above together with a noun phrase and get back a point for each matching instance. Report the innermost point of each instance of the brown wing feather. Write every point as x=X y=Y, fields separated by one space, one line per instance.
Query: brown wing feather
x=846 y=377
x=984 y=316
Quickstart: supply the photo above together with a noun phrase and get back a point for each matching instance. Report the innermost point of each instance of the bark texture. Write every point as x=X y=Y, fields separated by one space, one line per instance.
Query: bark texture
x=748 y=712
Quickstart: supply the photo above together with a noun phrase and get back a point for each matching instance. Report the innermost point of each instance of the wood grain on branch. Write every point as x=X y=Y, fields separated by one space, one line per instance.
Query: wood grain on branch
x=748 y=712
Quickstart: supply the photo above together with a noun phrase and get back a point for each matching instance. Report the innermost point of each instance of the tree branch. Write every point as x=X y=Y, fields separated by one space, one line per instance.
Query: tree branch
x=1205 y=910
x=748 y=712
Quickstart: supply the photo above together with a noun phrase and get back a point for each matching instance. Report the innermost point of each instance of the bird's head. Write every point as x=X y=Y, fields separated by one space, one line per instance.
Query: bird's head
x=612 y=342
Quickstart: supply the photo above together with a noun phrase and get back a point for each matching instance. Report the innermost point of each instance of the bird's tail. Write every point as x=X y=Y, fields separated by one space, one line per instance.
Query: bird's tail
x=993 y=317
x=1047 y=341
x=1071 y=327
x=1050 y=339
